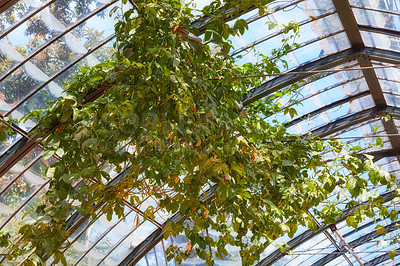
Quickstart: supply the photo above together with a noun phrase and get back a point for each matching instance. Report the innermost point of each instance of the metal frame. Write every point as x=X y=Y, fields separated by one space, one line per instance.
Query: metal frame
x=47 y=44
x=22 y=21
x=24 y=145
x=364 y=56
x=307 y=235
x=355 y=243
x=358 y=51
x=263 y=39
x=7 y=4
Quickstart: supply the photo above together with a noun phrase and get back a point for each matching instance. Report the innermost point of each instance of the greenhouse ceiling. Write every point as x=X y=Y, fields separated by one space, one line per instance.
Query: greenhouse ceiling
x=43 y=43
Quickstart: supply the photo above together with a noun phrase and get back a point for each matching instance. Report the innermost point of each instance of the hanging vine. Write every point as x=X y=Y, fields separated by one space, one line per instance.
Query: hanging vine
x=174 y=100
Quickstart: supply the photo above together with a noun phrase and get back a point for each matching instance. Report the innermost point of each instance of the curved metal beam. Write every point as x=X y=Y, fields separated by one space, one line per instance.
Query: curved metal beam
x=326 y=108
x=356 y=118
x=280 y=82
x=382 y=55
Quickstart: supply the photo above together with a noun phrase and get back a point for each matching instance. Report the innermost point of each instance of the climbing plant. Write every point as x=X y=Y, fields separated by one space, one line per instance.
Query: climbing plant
x=169 y=120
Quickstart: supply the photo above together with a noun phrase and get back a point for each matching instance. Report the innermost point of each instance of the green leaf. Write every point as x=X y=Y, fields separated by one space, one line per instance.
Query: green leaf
x=313 y=226
x=66 y=115
x=380 y=230
x=353 y=187
x=47 y=154
x=287 y=163
x=26 y=213
x=351 y=221
x=393 y=254
x=48 y=244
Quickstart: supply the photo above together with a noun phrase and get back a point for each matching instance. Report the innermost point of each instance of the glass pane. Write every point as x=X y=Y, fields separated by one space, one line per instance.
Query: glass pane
x=379 y=5
x=332 y=115
x=14 y=14
x=383 y=41
x=16 y=191
x=10 y=140
x=129 y=243
x=377 y=19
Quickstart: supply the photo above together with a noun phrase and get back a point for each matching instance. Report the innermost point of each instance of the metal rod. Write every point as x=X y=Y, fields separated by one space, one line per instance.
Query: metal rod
x=329 y=236
x=349 y=248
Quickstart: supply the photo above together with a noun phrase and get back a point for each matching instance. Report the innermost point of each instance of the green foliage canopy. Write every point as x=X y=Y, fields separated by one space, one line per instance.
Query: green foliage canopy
x=174 y=101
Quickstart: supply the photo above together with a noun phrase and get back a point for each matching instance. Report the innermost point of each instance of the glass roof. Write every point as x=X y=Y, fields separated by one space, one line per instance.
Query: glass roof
x=44 y=42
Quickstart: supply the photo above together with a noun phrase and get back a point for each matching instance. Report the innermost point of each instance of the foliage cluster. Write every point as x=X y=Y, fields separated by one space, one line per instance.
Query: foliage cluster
x=169 y=122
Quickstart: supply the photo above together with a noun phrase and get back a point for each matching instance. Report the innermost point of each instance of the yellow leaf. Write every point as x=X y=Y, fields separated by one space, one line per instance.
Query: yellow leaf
x=198 y=143
x=188 y=247
x=137 y=221
x=206 y=213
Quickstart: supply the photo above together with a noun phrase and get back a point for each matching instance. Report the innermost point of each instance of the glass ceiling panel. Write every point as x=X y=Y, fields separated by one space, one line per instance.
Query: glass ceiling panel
x=106 y=242
x=363 y=135
x=326 y=29
x=10 y=140
x=281 y=241
x=386 y=73
x=378 y=40
x=316 y=94
x=101 y=233
x=303 y=13
x=390 y=84
x=383 y=5
x=329 y=116
x=14 y=14
x=325 y=97
x=39 y=99
x=47 y=25
x=321 y=83
x=362 y=129
x=377 y=19
x=58 y=55
x=131 y=238
x=319 y=241
x=22 y=186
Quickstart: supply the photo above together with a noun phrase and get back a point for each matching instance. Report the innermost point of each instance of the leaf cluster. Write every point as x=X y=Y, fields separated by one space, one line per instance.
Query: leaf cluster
x=171 y=131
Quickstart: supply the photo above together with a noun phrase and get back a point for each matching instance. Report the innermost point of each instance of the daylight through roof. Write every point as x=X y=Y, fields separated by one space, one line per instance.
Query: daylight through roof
x=44 y=42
